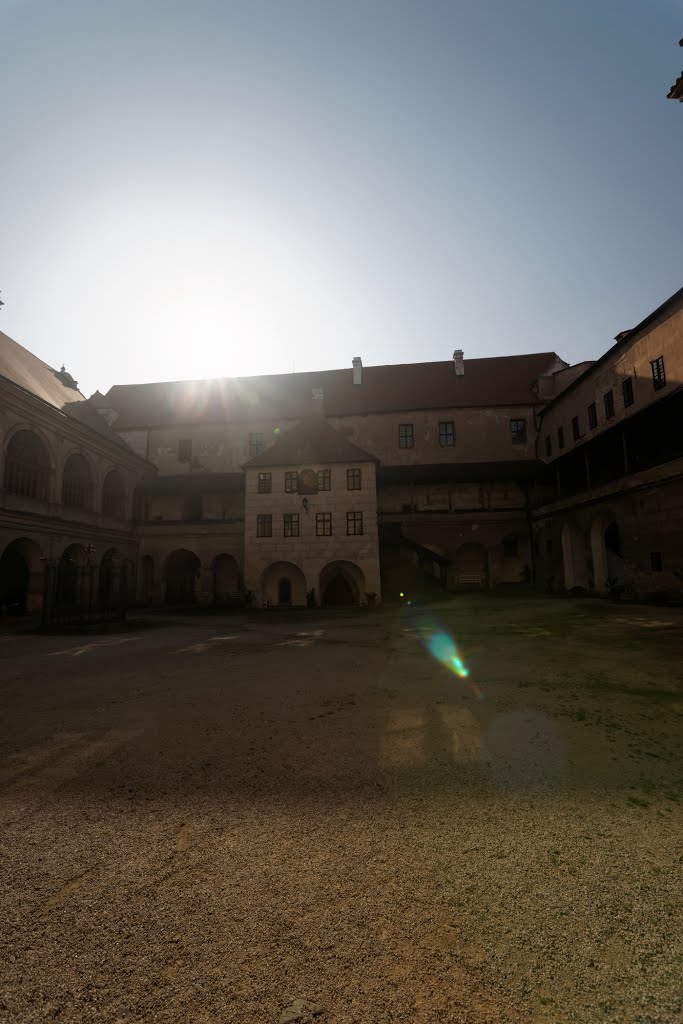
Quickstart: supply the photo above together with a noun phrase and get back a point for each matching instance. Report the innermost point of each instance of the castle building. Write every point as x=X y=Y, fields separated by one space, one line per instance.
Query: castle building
x=352 y=486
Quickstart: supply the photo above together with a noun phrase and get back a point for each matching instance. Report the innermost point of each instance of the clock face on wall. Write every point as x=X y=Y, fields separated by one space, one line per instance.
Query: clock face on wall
x=308 y=481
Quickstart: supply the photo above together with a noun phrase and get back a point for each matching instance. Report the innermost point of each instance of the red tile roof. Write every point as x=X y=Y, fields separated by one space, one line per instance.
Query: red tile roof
x=495 y=381
x=313 y=440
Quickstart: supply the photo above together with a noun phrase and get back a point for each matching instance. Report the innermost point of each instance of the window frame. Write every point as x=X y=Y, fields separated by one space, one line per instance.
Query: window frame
x=406 y=435
x=446 y=434
x=608 y=402
x=324 y=480
x=291 y=476
x=185 y=449
x=576 y=429
x=518 y=433
x=627 y=392
x=592 y=415
x=264 y=483
x=354 y=479
x=658 y=373
x=354 y=519
x=323 y=524
x=290 y=524
x=255 y=447
x=560 y=438
x=264 y=524
x=548 y=446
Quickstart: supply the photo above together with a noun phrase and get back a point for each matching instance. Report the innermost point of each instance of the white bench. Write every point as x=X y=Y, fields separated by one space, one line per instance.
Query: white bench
x=469 y=579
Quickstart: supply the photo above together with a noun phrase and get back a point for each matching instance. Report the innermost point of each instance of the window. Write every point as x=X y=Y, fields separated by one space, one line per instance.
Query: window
x=548 y=446
x=255 y=444
x=656 y=561
x=658 y=375
x=353 y=480
x=323 y=524
x=447 y=434
x=264 y=526
x=185 y=450
x=510 y=547
x=192 y=508
x=627 y=391
x=291 y=525
x=354 y=523
x=324 y=480
x=609 y=404
x=518 y=431
x=560 y=437
x=576 y=434
x=291 y=483
x=265 y=483
x=548 y=546
x=592 y=416
x=27 y=466
x=406 y=436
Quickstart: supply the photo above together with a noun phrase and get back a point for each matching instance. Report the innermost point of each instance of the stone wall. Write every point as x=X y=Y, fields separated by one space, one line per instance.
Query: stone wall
x=308 y=552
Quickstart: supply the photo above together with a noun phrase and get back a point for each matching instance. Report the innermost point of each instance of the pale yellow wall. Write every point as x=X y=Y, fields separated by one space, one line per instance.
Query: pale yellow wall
x=308 y=551
x=481 y=435
x=663 y=338
x=218 y=448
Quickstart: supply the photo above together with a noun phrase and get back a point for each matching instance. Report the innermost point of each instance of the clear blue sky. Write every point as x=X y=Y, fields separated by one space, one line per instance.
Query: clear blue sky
x=217 y=188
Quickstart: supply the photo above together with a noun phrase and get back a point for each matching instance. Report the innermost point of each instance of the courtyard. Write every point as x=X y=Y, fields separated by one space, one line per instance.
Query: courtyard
x=314 y=817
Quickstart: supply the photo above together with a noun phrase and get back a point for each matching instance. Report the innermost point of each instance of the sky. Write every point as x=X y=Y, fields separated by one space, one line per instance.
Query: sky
x=217 y=188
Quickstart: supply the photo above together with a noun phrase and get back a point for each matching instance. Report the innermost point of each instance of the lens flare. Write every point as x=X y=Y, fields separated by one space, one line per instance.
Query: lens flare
x=444 y=649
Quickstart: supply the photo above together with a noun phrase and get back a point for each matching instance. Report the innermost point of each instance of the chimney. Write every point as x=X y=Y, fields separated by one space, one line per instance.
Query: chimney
x=317 y=401
x=357 y=370
x=459 y=363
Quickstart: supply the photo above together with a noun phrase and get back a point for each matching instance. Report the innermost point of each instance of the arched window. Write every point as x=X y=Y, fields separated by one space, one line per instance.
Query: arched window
x=76 y=482
x=113 y=496
x=27 y=466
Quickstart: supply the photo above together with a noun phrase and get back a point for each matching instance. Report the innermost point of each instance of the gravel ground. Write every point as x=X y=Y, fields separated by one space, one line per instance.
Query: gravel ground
x=308 y=818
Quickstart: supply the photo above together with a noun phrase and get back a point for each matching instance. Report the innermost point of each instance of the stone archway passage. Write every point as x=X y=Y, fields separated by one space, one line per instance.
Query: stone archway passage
x=146 y=580
x=339 y=591
x=274 y=580
x=470 y=566
x=180 y=576
x=21 y=577
x=226 y=579
x=109 y=577
x=341 y=585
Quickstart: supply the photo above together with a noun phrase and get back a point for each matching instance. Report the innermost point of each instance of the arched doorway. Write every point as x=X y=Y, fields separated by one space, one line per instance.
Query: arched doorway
x=113 y=496
x=146 y=580
x=341 y=585
x=608 y=559
x=226 y=579
x=73 y=579
x=180 y=577
x=273 y=584
x=110 y=577
x=76 y=482
x=27 y=466
x=575 y=557
x=21 y=577
x=470 y=566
